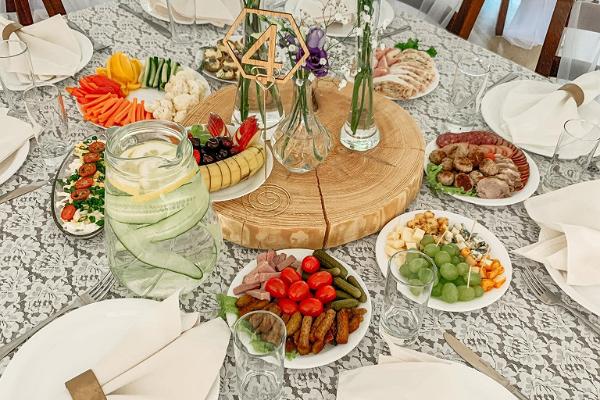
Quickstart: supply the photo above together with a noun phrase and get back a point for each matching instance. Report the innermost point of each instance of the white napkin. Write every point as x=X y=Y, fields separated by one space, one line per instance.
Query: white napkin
x=14 y=134
x=165 y=357
x=215 y=12
x=534 y=112
x=53 y=48
x=570 y=232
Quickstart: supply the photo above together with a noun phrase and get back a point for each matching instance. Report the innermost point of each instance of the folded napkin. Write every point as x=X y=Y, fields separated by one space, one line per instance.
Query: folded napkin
x=163 y=357
x=534 y=112
x=53 y=48
x=14 y=134
x=570 y=232
x=215 y=12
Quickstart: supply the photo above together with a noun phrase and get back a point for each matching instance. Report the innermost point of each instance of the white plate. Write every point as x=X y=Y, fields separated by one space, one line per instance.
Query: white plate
x=587 y=296
x=330 y=353
x=69 y=346
x=517 y=197
x=87 y=51
x=491 y=109
x=497 y=250
x=426 y=380
x=434 y=84
x=341 y=31
x=248 y=185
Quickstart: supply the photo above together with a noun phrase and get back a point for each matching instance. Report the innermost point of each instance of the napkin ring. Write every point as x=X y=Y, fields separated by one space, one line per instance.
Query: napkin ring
x=85 y=386
x=574 y=91
x=10 y=29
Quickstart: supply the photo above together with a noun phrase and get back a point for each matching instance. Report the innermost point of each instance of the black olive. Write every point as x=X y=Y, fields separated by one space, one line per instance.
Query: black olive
x=207 y=159
x=226 y=142
x=212 y=143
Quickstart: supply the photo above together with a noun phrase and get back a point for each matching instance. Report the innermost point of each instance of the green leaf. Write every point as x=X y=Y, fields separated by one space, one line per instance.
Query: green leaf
x=409 y=44
x=227 y=305
x=290 y=355
x=200 y=132
x=431 y=51
x=431 y=175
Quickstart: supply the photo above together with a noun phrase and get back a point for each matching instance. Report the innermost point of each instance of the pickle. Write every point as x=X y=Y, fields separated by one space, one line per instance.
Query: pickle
x=346 y=303
x=354 y=282
x=333 y=271
x=347 y=287
x=341 y=295
x=329 y=262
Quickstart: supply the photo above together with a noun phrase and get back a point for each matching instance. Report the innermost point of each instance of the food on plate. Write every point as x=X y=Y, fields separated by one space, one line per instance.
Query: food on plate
x=478 y=164
x=226 y=159
x=158 y=72
x=217 y=60
x=81 y=199
x=317 y=308
x=466 y=269
x=403 y=74
x=123 y=69
x=183 y=91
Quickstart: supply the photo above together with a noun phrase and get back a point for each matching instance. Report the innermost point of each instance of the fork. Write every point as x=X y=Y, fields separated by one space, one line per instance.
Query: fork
x=544 y=295
x=95 y=45
x=96 y=293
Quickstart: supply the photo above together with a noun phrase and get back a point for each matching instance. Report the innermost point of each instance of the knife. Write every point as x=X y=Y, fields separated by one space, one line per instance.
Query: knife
x=476 y=362
x=506 y=78
x=159 y=28
x=21 y=191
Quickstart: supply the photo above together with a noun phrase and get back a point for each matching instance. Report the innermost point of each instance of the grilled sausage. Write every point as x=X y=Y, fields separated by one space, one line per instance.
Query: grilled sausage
x=446 y=178
x=437 y=156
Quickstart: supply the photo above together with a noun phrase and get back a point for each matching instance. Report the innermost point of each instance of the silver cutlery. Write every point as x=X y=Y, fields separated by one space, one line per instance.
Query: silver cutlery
x=96 y=293
x=541 y=292
x=21 y=191
x=96 y=45
x=394 y=32
x=158 y=27
x=477 y=362
x=506 y=78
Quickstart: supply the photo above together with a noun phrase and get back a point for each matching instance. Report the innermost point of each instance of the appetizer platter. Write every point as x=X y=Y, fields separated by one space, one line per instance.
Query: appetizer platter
x=216 y=63
x=78 y=190
x=474 y=269
x=127 y=90
x=233 y=162
x=480 y=167
x=323 y=302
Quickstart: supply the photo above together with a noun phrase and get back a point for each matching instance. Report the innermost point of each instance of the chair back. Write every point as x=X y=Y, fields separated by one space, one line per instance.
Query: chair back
x=23 y=9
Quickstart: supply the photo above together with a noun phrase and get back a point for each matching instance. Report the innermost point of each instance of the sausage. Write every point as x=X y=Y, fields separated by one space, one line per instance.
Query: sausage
x=324 y=325
x=446 y=178
x=437 y=156
x=447 y=164
x=343 y=329
x=294 y=323
x=463 y=181
x=463 y=164
x=303 y=343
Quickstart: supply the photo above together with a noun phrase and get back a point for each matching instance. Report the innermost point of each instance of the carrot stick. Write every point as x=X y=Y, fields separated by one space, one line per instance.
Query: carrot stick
x=98 y=100
x=93 y=96
x=119 y=113
x=132 y=110
x=140 y=111
x=111 y=111
x=108 y=104
x=123 y=114
x=149 y=115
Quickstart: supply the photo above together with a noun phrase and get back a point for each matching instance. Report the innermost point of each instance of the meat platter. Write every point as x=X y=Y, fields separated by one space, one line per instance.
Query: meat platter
x=480 y=167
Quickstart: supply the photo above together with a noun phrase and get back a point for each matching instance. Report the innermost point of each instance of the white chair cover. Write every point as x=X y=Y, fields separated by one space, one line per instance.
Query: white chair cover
x=438 y=12
x=529 y=25
x=580 y=44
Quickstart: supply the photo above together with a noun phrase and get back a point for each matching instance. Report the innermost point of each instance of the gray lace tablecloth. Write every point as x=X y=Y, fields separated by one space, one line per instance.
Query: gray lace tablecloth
x=544 y=350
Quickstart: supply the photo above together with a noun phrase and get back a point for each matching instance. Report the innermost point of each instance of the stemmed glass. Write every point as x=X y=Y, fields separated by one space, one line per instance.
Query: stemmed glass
x=16 y=72
x=182 y=20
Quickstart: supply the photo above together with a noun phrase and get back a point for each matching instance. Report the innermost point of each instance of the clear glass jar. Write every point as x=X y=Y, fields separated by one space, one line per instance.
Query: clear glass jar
x=161 y=232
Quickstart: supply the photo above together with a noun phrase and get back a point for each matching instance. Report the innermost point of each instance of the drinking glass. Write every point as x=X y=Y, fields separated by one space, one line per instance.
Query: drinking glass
x=16 y=72
x=259 y=347
x=410 y=278
x=182 y=20
x=577 y=144
x=46 y=110
x=470 y=79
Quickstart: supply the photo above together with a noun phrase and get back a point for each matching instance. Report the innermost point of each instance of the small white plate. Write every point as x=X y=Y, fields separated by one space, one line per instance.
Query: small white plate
x=330 y=353
x=68 y=346
x=12 y=163
x=497 y=250
x=491 y=110
x=517 y=197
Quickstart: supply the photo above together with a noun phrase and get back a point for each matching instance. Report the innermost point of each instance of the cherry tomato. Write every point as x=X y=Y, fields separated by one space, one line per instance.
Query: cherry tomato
x=84 y=183
x=68 y=212
x=298 y=291
x=289 y=275
x=87 y=170
x=91 y=157
x=96 y=147
x=287 y=306
x=311 y=307
x=80 y=194
x=326 y=294
x=276 y=288
x=310 y=264
x=319 y=279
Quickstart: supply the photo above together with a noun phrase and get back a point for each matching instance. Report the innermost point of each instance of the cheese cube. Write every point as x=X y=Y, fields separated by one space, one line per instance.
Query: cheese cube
x=418 y=234
x=393 y=235
x=448 y=236
x=407 y=234
x=390 y=251
x=411 y=245
x=396 y=244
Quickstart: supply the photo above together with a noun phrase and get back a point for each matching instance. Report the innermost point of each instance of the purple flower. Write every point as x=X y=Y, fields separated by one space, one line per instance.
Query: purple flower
x=315 y=38
x=317 y=61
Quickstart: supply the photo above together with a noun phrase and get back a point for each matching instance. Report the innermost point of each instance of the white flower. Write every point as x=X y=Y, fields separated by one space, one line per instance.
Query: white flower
x=342 y=84
x=367 y=9
x=292 y=48
x=366 y=18
x=311 y=77
x=323 y=61
x=299 y=82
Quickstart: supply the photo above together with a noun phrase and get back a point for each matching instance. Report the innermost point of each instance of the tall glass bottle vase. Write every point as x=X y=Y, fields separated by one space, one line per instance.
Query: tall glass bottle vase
x=301 y=142
x=249 y=97
x=360 y=131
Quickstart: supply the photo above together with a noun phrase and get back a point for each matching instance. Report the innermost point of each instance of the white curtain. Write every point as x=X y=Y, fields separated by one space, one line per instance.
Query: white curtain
x=529 y=25
x=580 y=44
x=435 y=11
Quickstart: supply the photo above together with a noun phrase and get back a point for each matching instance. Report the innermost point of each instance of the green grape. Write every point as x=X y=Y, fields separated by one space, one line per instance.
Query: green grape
x=450 y=293
x=460 y=280
x=416 y=264
x=455 y=260
x=431 y=249
x=451 y=249
x=437 y=291
x=426 y=275
x=466 y=293
x=478 y=291
x=405 y=270
x=462 y=268
x=418 y=289
x=461 y=258
x=442 y=258
x=449 y=271
x=412 y=256
x=436 y=277
x=475 y=279
x=427 y=239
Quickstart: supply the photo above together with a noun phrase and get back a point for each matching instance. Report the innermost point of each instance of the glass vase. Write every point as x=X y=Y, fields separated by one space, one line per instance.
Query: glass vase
x=360 y=131
x=301 y=142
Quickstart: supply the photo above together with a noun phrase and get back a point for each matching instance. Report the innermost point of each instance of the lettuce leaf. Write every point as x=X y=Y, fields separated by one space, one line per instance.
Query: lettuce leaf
x=227 y=305
x=432 y=172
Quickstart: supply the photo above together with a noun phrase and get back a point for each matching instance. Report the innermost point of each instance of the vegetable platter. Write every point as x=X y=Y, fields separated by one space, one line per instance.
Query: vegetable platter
x=128 y=90
x=323 y=301
x=474 y=268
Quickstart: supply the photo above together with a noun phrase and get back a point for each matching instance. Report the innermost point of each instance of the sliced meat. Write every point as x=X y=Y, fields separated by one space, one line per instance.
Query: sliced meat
x=259 y=294
x=265 y=267
x=265 y=276
x=261 y=257
x=437 y=156
x=476 y=176
x=251 y=278
x=270 y=256
x=244 y=287
x=492 y=188
x=488 y=167
x=289 y=260
x=446 y=178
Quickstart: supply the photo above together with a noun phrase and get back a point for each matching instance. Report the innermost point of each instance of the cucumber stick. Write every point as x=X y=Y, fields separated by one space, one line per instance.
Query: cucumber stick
x=156 y=80
x=166 y=70
x=145 y=72
x=152 y=72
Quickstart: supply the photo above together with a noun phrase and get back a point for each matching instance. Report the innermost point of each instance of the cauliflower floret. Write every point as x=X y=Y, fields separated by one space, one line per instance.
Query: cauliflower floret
x=195 y=88
x=162 y=109
x=185 y=74
x=180 y=116
x=176 y=86
x=183 y=101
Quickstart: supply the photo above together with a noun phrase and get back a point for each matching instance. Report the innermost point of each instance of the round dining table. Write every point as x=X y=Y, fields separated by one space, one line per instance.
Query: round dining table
x=543 y=350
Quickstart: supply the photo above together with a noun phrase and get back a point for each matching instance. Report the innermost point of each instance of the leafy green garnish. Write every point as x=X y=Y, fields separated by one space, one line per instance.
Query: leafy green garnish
x=258 y=344
x=431 y=51
x=432 y=173
x=226 y=305
x=290 y=355
x=414 y=44
x=199 y=132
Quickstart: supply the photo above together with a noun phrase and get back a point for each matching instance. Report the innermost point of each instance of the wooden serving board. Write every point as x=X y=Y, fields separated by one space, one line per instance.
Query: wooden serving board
x=349 y=196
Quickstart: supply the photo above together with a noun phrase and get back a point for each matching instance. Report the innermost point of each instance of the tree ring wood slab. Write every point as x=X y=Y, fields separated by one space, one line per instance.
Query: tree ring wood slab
x=348 y=197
